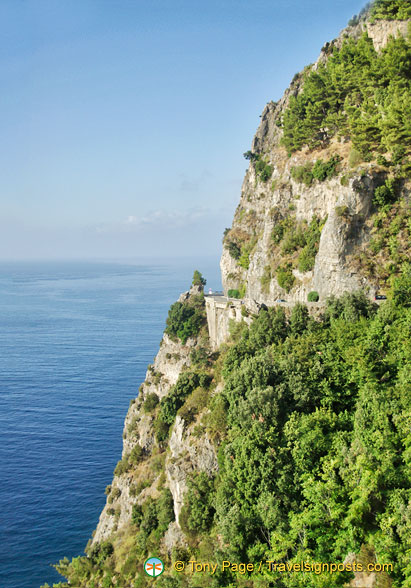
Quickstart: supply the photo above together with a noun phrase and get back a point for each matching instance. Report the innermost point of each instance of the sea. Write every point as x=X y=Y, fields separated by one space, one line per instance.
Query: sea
x=75 y=342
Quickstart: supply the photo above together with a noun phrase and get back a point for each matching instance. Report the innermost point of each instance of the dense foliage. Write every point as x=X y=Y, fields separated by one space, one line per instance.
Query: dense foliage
x=313 y=464
x=313 y=436
x=310 y=418
x=358 y=94
x=185 y=319
x=391 y=10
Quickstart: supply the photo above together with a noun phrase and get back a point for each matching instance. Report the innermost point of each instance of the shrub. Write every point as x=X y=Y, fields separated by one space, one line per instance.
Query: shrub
x=233 y=293
x=264 y=170
x=150 y=402
x=161 y=429
x=386 y=193
x=266 y=279
x=251 y=156
x=194 y=404
x=285 y=277
x=324 y=170
x=122 y=467
x=175 y=399
x=382 y=161
x=184 y=320
x=233 y=249
x=306 y=259
x=101 y=551
x=136 y=514
x=136 y=455
x=313 y=296
x=135 y=489
x=199 y=356
x=321 y=170
x=244 y=260
x=165 y=510
x=302 y=174
x=398 y=154
x=278 y=232
x=198 y=279
x=293 y=239
x=198 y=510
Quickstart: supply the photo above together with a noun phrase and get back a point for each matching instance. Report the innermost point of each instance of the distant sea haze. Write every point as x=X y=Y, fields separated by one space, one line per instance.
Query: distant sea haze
x=75 y=341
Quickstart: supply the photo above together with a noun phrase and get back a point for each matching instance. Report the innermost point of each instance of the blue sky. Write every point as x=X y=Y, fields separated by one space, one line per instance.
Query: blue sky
x=124 y=122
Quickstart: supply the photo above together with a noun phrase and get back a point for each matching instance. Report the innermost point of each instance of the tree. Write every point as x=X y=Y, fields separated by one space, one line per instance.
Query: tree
x=198 y=279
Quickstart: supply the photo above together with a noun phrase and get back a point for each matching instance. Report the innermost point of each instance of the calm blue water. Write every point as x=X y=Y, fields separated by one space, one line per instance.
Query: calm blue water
x=75 y=341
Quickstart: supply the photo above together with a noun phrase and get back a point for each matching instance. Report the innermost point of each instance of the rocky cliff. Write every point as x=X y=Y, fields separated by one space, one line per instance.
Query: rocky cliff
x=342 y=204
x=312 y=222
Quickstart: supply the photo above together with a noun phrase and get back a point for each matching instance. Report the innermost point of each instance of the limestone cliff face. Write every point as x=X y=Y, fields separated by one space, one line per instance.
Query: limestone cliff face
x=341 y=206
x=264 y=203
x=184 y=454
x=131 y=487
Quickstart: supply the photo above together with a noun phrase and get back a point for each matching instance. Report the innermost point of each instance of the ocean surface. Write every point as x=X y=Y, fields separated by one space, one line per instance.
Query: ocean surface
x=75 y=342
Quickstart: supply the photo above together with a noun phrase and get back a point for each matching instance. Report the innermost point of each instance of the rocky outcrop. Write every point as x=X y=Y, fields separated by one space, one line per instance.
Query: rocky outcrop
x=187 y=454
x=342 y=204
x=381 y=30
x=134 y=486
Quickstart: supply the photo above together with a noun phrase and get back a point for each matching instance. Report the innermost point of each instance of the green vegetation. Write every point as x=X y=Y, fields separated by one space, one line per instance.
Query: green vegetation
x=185 y=319
x=244 y=260
x=385 y=194
x=285 y=277
x=233 y=249
x=390 y=10
x=198 y=510
x=320 y=170
x=298 y=244
x=263 y=169
x=388 y=249
x=309 y=418
x=237 y=293
x=357 y=94
x=312 y=434
x=150 y=402
x=198 y=279
x=169 y=406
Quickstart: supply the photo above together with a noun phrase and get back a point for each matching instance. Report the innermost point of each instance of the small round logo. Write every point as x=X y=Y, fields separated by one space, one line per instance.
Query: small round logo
x=153 y=567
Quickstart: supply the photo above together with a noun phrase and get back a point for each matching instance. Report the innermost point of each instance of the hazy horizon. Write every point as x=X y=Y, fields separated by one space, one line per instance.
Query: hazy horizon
x=124 y=124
